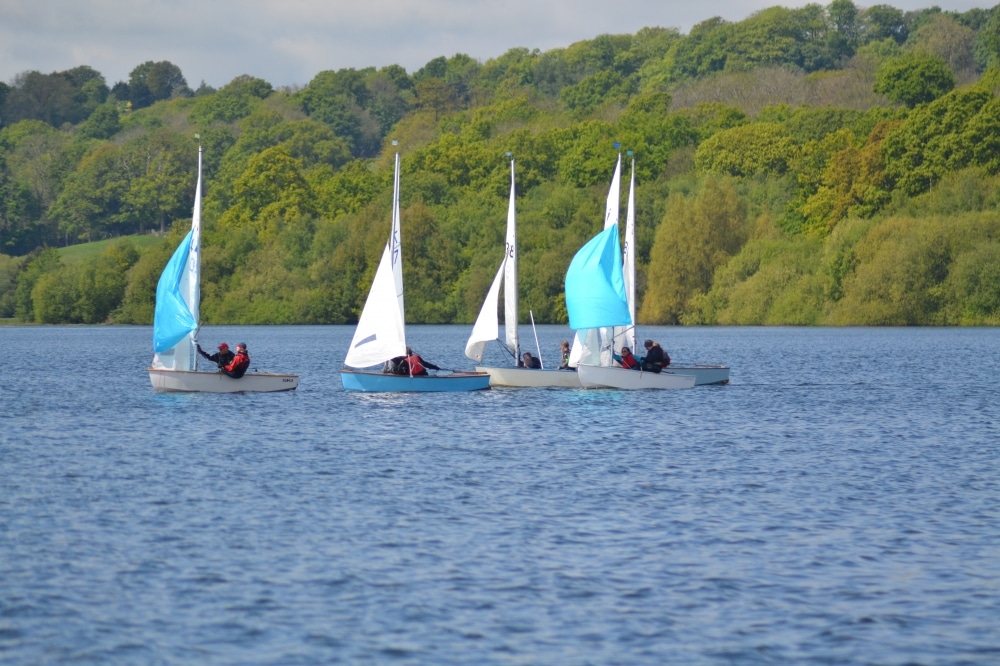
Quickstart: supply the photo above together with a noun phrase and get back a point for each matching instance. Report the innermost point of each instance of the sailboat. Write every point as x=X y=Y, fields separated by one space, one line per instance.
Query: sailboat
x=175 y=326
x=381 y=331
x=597 y=304
x=487 y=324
x=610 y=376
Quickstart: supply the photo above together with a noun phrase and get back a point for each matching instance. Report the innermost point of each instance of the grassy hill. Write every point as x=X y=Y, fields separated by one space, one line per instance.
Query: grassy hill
x=75 y=254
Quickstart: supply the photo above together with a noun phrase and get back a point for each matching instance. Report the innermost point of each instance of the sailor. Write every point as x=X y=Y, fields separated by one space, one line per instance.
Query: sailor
x=655 y=359
x=221 y=358
x=564 y=354
x=530 y=362
x=238 y=366
x=627 y=360
x=417 y=365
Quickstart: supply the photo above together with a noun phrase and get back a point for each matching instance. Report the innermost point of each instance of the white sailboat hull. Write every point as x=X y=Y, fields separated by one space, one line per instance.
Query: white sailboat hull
x=593 y=376
x=704 y=373
x=528 y=378
x=183 y=381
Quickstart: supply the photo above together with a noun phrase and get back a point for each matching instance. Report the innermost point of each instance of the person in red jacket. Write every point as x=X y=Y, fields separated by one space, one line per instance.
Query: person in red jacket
x=238 y=367
x=400 y=365
x=416 y=365
x=627 y=360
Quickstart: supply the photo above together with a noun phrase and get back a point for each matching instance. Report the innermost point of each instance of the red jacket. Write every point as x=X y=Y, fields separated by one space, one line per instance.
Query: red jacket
x=629 y=361
x=239 y=365
x=416 y=367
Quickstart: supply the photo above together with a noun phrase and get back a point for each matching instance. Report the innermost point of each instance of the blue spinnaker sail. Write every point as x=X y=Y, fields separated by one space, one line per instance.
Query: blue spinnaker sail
x=173 y=319
x=595 y=284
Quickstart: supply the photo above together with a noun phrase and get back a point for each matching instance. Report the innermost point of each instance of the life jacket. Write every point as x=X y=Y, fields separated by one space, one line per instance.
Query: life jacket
x=239 y=365
x=629 y=362
x=416 y=367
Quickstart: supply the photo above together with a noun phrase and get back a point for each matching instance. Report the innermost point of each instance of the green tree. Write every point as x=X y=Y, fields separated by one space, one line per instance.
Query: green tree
x=101 y=282
x=958 y=130
x=987 y=47
x=747 y=150
x=339 y=99
x=271 y=189
x=38 y=96
x=55 y=295
x=880 y=22
x=103 y=123
x=10 y=268
x=159 y=168
x=914 y=78
x=697 y=235
x=139 y=298
x=234 y=101
x=154 y=81
x=948 y=39
x=93 y=196
x=598 y=89
x=37 y=264
x=973 y=286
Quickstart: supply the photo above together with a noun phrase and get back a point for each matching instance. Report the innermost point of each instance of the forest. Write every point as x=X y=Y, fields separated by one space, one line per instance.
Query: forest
x=822 y=165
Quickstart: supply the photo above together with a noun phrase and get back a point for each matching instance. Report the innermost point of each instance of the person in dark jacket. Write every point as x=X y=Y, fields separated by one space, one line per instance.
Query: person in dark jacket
x=221 y=358
x=238 y=366
x=655 y=359
x=530 y=362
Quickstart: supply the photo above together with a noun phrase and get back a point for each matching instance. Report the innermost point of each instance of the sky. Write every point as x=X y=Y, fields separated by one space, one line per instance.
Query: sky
x=288 y=42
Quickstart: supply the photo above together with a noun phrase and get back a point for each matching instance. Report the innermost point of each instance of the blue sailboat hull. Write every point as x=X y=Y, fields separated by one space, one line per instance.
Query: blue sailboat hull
x=378 y=382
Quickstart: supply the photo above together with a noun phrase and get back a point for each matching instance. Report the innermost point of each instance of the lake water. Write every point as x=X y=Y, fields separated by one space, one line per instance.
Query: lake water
x=838 y=502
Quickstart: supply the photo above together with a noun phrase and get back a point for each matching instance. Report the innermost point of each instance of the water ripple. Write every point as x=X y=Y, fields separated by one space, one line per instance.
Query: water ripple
x=834 y=508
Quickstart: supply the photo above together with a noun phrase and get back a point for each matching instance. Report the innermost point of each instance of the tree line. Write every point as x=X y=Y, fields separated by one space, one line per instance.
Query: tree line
x=821 y=165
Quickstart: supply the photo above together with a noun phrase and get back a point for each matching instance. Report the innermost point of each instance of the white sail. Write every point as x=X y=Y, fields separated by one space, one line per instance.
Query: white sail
x=626 y=336
x=487 y=323
x=381 y=333
x=184 y=355
x=595 y=346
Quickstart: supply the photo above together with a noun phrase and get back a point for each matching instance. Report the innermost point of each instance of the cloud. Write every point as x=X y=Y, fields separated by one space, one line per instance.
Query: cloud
x=289 y=42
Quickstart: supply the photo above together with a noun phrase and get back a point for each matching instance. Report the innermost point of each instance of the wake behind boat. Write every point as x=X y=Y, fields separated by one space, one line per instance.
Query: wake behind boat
x=381 y=332
x=175 y=326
